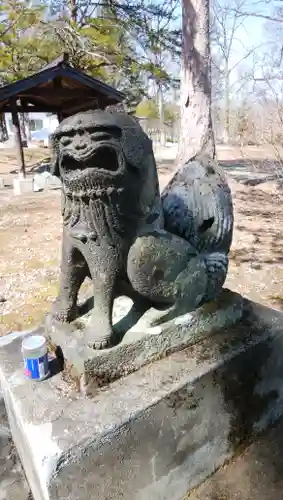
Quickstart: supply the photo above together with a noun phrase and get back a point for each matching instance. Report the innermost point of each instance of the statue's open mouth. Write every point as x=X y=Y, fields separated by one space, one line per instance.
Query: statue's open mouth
x=104 y=157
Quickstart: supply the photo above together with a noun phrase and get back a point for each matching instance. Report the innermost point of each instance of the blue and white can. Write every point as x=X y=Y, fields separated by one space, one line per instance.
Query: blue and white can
x=35 y=354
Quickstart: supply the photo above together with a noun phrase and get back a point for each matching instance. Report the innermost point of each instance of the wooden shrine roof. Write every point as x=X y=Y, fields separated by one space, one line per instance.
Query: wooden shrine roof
x=58 y=88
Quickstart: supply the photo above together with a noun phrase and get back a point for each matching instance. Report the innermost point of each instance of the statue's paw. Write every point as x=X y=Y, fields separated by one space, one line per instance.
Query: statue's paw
x=217 y=267
x=98 y=342
x=63 y=311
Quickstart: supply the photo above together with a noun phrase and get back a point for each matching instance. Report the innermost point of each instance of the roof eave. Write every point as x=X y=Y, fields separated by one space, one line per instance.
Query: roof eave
x=12 y=89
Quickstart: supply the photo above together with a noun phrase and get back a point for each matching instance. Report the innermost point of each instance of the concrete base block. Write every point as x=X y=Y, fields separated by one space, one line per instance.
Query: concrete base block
x=8 y=182
x=146 y=337
x=154 y=434
x=39 y=181
x=23 y=186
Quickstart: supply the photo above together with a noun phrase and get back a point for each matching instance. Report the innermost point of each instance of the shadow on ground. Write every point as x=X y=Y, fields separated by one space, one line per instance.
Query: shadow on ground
x=251 y=172
x=247 y=171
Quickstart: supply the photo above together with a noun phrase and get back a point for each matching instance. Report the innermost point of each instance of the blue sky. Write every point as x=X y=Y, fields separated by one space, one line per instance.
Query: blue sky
x=250 y=35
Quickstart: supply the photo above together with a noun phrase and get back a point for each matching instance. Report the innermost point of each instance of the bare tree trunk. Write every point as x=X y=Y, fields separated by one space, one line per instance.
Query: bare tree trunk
x=23 y=129
x=226 y=105
x=3 y=128
x=161 y=115
x=27 y=126
x=196 y=134
x=18 y=139
x=73 y=10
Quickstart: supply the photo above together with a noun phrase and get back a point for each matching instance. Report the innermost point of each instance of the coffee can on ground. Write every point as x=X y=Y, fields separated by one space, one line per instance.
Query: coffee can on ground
x=35 y=355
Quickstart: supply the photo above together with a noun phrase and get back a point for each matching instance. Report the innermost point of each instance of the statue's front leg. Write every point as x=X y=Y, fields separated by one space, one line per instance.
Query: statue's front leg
x=167 y=270
x=103 y=268
x=73 y=272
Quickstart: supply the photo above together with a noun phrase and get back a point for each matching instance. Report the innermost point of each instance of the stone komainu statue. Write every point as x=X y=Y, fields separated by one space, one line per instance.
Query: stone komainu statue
x=166 y=251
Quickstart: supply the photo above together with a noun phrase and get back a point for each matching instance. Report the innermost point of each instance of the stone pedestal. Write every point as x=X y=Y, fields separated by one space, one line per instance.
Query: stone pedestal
x=145 y=337
x=156 y=433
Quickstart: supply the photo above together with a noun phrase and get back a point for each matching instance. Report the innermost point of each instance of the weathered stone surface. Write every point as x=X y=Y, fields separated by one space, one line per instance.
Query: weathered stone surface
x=146 y=337
x=256 y=474
x=169 y=249
x=157 y=433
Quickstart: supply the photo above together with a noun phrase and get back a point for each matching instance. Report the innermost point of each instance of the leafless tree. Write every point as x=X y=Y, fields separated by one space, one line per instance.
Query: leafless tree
x=196 y=132
x=268 y=81
x=257 y=9
x=227 y=23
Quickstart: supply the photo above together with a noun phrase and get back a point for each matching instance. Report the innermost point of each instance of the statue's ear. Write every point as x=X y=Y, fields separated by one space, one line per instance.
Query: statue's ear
x=54 y=156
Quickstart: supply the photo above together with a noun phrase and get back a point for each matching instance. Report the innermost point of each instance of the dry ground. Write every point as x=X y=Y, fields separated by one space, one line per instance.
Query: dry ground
x=8 y=163
x=30 y=234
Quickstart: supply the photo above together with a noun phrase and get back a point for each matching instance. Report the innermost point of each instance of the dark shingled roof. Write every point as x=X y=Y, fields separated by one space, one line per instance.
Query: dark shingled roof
x=59 y=88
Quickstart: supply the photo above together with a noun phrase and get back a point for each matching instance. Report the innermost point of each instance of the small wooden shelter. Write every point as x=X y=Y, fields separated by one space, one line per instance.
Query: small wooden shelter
x=57 y=88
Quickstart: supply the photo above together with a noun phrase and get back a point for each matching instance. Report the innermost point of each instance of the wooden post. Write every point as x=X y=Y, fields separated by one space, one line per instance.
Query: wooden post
x=59 y=117
x=57 y=84
x=18 y=139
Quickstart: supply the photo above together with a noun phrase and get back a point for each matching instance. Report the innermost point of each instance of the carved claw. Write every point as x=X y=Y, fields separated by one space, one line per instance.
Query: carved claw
x=98 y=341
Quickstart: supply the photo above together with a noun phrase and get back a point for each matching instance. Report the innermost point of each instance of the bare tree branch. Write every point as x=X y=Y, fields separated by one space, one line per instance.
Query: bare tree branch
x=256 y=15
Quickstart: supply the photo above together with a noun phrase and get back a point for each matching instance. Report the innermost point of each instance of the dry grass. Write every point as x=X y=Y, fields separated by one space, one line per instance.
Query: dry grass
x=30 y=236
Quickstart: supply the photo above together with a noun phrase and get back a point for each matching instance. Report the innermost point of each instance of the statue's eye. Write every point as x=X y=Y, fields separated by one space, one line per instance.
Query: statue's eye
x=65 y=140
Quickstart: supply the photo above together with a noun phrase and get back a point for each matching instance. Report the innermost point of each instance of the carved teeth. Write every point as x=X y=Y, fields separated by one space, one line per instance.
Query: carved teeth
x=90 y=181
x=85 y=184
